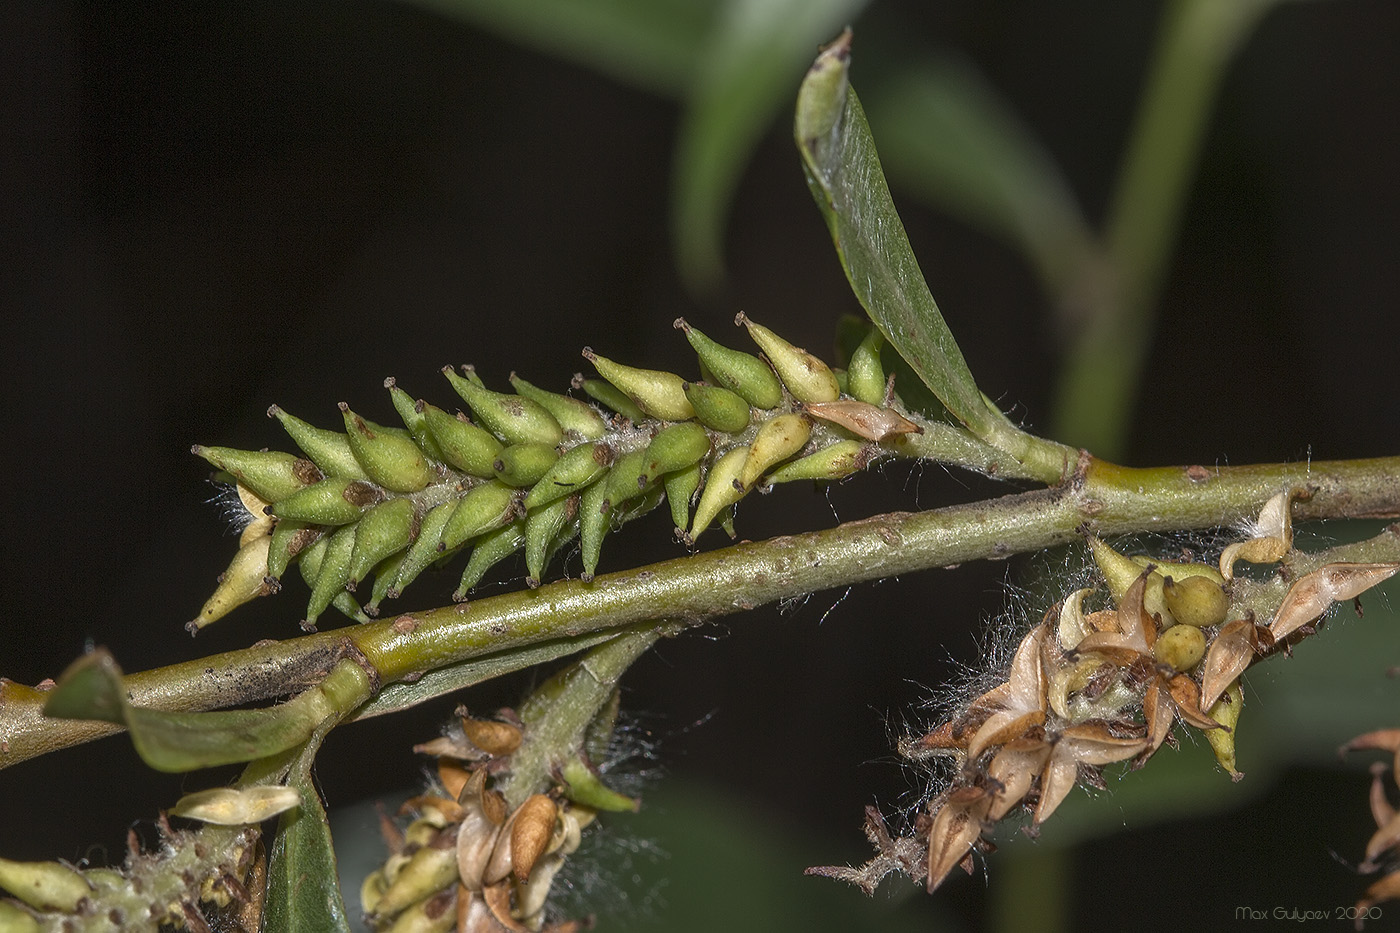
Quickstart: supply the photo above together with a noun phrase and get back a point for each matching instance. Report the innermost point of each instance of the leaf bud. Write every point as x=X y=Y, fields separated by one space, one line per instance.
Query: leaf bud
x=333 y=501
x=806 y=377
x=329 y=450
x=383 y=531
x=742 y=373
x=1197 y=601
x=514 y=419
x=271 y=474
x=777 y=439
x=391 y=460
x=464 y=446
x=522 y=465
x=573 y=415
x=717 y=407
x=659 y=394
x=575 y=469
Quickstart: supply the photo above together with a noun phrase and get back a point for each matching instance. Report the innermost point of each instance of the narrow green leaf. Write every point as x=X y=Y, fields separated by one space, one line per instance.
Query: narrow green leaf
x=949 y=137
x=752 y=64
x=303 y=888
x=844 y=173
x=92 y=688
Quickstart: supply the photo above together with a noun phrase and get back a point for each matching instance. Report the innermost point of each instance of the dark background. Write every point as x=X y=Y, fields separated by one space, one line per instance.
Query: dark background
x=211 y=209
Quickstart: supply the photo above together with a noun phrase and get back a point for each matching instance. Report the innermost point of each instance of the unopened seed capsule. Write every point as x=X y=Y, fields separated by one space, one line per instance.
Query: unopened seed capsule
x=391 y=460
x=426 y=548
x=743 y=373
x=1181 y=646
x=522 y=465
x=385 y=572
x=310 y=565
x=575 y=469
x=1121 y=572
x=717 y=407
x=329 y=450
x=15 y=919
x=530 y=830
x=1196 y=601
x=806 y=377
x=464 y=445
x=832 y=462
x=383 y=531
x=411 y=411
x=627 y=478
x=680 y=489
x=573 y=415
x=675 y=447
x=333 y=501
x=659 y=394
x=490 y=549
x=865 y=375
x=44 y=885
x=271 y=474
x=594 y=524
x=242 y=582
x=582 y=784
x=430 y=869
x=720 y=490
x=777 y=439
x=333 y=574
x=486 y=507
x=289 y=539
x=604 y=392
x=541 y=526
x=512 y=418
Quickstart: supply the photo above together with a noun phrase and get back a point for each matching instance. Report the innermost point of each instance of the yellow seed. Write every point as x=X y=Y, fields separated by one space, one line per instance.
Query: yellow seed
x=1181 y=646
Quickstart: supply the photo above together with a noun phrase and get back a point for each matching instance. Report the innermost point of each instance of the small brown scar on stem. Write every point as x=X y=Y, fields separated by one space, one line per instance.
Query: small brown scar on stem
x=404 y=625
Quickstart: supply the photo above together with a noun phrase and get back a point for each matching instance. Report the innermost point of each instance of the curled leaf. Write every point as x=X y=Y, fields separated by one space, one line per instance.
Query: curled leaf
x=236 y=806
x=1313 y=594
x=1271 y=538
x=1230 y=653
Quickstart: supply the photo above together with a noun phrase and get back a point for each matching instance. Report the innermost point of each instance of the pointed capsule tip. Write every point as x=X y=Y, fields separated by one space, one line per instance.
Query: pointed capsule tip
x=390 y=382
x=680 y=324
x=588 y=354
x=343 y=406
x=741 y=319
x=273 y=411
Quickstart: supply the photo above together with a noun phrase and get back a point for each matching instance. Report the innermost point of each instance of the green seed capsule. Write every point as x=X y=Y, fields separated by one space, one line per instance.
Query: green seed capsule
x=720 y=490
x=332 y=575
x=384 y=576
x=329 y=450
x=383 y=531
x=430 y=869
x=659 y=394
x=310 y=565
x=1196 y=601
x=675 y=447
x=743 y=373
x=680 y=489
x=717 y=407
x=15 y=919
x=594 y=524
x=242 y=582
x=834 y=461
x=608 y=394
x=1181 y=646
x=777 y=439
x=391 y=460
x=464 y=445
x=572 y=414
x=490 y=550
x=1121 y=572
x=541 y=526
x=271 y=474
x=289 y=539
x=44 y=885
x=576 y=468
x=627 y=478
x=485 y=507
x=865 y=376
x=411 y=412
x=426 y=548
x=524 y=465
x=806 y=377
x=514 y=419
x=335 y=501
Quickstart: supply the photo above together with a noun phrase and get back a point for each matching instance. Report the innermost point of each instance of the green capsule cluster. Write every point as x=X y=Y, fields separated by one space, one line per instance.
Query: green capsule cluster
x=364 y=509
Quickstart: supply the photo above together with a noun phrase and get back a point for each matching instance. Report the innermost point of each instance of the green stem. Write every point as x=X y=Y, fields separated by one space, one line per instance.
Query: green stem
x=1101 y=497
x=1100 y=381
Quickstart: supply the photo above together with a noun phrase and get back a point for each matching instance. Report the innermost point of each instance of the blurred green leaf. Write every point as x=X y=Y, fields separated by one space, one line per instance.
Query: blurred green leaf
x=303 y=888
x=653 y=44
x=748 y=71
x=92 y=688
x=947 y=136
x=844 y=173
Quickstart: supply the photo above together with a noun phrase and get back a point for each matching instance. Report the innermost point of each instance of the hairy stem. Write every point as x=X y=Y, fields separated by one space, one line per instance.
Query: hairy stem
x=1101 y=497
